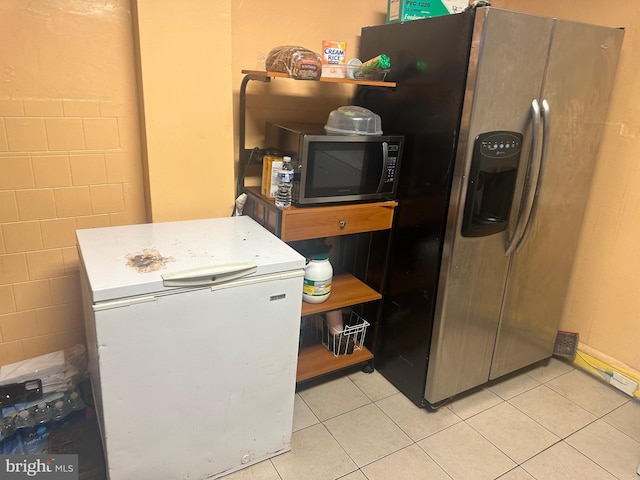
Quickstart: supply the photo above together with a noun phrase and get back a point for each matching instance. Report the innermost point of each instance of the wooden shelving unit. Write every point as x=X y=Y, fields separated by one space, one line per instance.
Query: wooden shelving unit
x=295 y=224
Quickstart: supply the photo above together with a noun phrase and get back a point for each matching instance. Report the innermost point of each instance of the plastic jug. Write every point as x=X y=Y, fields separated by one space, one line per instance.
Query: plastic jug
x=318 y=274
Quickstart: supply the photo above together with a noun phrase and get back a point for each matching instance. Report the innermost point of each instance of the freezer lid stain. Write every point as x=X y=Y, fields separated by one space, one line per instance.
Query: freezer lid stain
x=150 y=260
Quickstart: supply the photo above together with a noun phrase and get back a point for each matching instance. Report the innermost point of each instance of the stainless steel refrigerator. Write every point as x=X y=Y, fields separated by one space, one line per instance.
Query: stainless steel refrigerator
x=502 y=114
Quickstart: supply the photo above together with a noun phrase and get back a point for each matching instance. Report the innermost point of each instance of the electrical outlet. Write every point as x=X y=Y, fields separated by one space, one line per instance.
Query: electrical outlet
x=623 y=383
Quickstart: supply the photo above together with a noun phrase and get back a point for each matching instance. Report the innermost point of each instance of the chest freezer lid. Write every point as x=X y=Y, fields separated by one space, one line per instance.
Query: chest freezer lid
x=129 y=261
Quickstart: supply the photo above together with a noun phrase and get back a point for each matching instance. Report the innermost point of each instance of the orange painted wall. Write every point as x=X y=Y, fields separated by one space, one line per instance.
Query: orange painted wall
x=69 y=158
x=185 y=80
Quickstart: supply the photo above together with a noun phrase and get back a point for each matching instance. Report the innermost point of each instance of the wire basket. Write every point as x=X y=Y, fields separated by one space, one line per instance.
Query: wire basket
x=350 y=339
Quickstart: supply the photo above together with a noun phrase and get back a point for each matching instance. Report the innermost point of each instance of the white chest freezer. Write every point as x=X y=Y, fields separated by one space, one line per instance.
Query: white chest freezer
x=192 y=332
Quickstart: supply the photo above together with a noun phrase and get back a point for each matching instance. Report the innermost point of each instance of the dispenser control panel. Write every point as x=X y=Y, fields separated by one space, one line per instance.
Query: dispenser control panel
x=491 y=183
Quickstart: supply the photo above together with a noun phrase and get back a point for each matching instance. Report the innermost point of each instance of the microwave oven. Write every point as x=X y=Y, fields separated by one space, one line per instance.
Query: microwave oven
x=337 y=168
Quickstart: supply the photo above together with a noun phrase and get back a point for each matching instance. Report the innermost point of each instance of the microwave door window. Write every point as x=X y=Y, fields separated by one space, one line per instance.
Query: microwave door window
x=342 y=169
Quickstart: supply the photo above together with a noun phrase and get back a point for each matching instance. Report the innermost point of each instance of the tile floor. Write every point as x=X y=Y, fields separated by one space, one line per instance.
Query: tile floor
x=549 y=422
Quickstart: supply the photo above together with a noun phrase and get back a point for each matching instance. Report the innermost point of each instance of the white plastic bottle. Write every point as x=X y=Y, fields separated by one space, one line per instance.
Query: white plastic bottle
x=33 y=435
x=60 y=410
x=318 y=274
x=42 y=412
x=285 y=183
x=24 y=419
x=75 y=401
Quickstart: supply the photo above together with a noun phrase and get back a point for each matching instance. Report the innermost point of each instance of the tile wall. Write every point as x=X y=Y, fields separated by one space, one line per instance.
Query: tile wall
x=64 y=165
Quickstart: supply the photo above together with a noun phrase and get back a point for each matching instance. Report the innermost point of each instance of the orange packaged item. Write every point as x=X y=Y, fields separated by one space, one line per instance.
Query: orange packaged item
x=334 y=59
x=271 y=164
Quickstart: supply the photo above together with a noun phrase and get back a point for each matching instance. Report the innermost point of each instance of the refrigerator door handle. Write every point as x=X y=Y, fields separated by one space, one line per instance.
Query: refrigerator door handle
x=528 y=189
x=210 y=275
x=546 y=128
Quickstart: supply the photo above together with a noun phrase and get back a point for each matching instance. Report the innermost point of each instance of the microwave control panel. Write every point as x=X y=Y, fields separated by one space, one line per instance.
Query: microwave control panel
x=392 y=161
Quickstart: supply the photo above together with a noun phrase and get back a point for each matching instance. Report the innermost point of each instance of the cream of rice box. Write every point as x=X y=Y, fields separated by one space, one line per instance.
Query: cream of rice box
x=334 y=59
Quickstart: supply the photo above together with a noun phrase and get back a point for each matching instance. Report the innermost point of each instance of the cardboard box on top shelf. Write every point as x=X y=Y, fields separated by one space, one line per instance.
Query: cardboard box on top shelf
x=405 y=10
x=334 y=59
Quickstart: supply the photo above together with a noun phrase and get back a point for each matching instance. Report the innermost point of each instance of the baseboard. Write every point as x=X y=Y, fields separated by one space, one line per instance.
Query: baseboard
x=610 y=370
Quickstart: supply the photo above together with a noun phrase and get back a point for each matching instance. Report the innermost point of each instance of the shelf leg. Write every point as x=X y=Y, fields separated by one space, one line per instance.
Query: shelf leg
x=243 y=155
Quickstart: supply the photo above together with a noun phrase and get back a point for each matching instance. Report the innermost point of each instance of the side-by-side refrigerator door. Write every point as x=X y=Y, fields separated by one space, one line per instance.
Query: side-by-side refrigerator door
x=506 y=69
x=580 y=74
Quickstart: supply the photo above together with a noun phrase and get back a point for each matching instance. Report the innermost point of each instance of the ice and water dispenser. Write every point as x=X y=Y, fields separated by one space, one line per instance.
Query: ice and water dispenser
x=492 y=181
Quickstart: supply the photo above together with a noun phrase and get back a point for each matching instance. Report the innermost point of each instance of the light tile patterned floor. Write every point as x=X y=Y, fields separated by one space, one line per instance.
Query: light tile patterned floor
x=549 y=422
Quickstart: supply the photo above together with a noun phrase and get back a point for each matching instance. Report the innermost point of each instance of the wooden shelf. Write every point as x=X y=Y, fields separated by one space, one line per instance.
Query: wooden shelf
x=346 y=290
x=317 y=360
x=370 y=83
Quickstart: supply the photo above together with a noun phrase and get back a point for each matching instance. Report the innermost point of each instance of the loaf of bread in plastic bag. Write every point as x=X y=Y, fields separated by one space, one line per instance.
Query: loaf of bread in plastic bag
x=297 y=62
